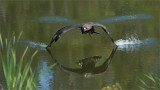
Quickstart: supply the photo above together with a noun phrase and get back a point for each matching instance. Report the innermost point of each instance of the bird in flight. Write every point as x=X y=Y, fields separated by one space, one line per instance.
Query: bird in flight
x=84 y=27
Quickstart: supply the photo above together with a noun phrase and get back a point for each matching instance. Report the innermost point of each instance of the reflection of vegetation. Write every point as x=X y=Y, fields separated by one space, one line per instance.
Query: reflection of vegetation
x=16 y=75
x=152 y=83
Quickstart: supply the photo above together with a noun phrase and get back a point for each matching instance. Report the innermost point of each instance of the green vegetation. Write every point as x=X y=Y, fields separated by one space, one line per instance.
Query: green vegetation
x=16 y=75
x=115 y=86
x=151 y=82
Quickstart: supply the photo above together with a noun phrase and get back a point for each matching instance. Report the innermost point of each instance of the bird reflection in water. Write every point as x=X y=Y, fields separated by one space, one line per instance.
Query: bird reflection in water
x=88 y=68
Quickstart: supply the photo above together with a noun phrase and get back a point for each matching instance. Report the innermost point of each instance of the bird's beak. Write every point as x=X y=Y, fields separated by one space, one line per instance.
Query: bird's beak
x=89 y=33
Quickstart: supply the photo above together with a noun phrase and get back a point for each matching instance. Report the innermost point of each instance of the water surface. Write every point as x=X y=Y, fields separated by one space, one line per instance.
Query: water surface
x=84 y=62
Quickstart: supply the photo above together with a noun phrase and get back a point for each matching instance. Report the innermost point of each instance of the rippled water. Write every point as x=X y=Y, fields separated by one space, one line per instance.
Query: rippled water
x=129 y=44
x=128 y=17
x=55 y=19
x=86 y=63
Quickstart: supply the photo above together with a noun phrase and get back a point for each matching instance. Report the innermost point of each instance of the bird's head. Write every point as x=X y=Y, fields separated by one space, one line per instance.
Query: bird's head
x=86 y=27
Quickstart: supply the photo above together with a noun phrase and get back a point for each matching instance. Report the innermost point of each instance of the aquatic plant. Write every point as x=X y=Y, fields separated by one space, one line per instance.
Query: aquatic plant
x=115 y=86
x=16 y=77
x=152 y=82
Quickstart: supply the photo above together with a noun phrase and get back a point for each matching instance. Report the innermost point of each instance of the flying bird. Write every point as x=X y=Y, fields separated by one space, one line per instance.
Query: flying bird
x=84 y=27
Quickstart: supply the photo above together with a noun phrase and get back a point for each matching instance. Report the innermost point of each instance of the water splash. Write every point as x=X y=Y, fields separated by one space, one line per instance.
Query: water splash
x=128 y=41
x=40 y=46
x=129 y=44
x=132 y=43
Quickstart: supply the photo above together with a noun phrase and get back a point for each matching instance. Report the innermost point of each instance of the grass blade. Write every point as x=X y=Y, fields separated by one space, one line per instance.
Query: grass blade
x=22 y=58
x=6 y=42
x=1 y=41
x=14 y=76
x=26 y=70
x=142 y=82
x=141 y=88
x=20 y=65
x=14 y=39
x=48 y=68
x=150 y=77
x=20 y=35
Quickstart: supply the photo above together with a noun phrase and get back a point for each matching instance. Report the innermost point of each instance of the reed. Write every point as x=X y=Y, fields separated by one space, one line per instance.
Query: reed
x=16 y=77
x=151 y=82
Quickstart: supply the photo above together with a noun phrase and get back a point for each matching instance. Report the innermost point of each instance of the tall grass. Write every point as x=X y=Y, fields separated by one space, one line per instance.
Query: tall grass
x=16 y=77
x=151 y=82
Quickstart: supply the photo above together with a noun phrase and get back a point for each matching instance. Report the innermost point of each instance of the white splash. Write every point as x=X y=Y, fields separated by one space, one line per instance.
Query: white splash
x=40 y=46
x=128 y=41
x=36 y=44
x=129 y=44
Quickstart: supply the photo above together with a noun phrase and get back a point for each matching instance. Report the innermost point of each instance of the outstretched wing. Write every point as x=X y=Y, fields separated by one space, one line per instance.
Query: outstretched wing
x=61 y=31
x=105 y=29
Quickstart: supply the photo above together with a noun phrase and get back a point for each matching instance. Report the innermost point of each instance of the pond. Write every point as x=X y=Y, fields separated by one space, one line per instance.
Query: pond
x=84 y=62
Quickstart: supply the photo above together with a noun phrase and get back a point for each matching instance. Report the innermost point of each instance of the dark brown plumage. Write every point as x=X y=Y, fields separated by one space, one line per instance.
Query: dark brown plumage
x=85 y=28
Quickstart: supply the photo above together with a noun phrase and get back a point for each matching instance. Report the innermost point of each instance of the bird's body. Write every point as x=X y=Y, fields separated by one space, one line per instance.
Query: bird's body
x=84 y=27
